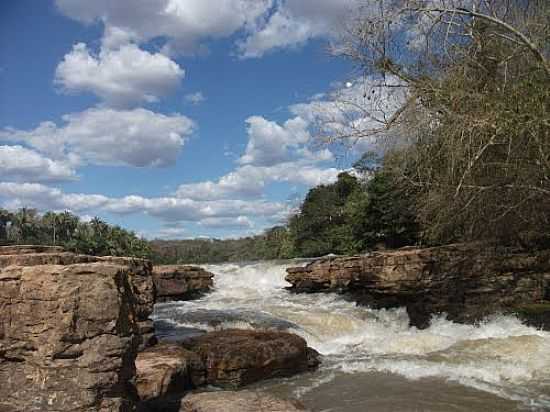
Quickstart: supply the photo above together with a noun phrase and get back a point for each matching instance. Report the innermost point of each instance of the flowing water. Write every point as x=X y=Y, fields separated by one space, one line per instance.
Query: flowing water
x=372 y=360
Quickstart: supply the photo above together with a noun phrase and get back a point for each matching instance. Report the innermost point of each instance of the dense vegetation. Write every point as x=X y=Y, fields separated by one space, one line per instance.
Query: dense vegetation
x=349 y=216
x=27 y=226
x=470 y=141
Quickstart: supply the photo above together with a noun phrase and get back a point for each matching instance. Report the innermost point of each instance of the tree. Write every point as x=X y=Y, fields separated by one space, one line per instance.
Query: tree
x=470 y=135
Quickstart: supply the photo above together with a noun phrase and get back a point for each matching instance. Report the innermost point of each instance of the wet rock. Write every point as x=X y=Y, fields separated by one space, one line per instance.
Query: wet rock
x=165 y=369
x=179 y=282
x=167 y=332
x=242 y=401
x=536 y=315
x=213 y=318
x=467 y=282
x=235 y=357
x=70 y=330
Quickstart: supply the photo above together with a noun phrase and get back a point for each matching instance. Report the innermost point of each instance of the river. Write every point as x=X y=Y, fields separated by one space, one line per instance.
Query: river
x=372 y=360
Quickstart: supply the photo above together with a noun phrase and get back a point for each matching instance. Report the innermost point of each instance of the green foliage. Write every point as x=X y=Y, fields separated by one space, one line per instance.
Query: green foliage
x=388 y=216
x=349 y=216
x=323 y=226
x=26 y=226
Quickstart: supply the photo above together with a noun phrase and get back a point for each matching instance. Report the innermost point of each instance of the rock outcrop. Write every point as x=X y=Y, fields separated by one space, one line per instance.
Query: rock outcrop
x=228 y=359
x=165 y=369
x=235 y=357
x=242 y=401
x=180 y=282
x=467 y=282
x=70 y=329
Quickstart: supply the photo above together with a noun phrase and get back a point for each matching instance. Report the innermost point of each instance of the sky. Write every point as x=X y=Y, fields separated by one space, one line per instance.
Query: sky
x=172 y=118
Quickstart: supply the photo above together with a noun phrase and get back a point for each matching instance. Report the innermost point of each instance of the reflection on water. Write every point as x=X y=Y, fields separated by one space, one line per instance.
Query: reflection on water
x=372 y=359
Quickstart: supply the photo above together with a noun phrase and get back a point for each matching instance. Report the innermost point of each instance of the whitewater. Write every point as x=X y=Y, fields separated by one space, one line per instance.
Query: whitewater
x=372 y=359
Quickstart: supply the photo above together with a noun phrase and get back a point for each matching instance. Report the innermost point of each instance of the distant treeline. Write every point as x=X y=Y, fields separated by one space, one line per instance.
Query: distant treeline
x=27 y=226
x=349 y=216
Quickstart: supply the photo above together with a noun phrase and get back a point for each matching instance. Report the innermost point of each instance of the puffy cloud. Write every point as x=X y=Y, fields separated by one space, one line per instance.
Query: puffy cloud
x=250 y=181
x=239 y=222
x=269 y=143
x=137 y=137
x=195 y=98
x=184 y=23
x=264 y=24
x=46 y=198
x=18 y=163
x=274 y=153
x=294 y=22
x=168 y=209
x=121 y=77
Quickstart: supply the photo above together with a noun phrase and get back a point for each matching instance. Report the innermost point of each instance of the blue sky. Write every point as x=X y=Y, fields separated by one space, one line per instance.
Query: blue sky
x=174 y=118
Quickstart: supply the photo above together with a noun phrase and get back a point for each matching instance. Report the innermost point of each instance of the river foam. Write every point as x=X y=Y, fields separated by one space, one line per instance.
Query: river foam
x=500 y=355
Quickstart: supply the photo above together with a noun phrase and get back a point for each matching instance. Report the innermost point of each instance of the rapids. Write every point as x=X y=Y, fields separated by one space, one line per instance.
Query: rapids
x=372 y=359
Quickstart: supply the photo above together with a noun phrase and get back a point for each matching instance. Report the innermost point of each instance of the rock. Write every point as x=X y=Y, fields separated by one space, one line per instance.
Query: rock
x=536 y=315
x=70 y=330
x=165 y=369
x=235 y=357
x=242 y=401
x=179 y=282
x=466 y=281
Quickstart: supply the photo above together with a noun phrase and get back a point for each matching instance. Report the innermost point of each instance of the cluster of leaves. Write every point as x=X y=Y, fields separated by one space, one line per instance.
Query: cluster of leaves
x=27 y=226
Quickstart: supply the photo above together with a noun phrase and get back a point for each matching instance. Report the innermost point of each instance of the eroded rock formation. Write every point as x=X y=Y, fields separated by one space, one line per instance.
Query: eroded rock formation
x=70 y=329
x=465 y=281
x=235 y=357
x=230 y=359
x=181 y=282
x=167 y=368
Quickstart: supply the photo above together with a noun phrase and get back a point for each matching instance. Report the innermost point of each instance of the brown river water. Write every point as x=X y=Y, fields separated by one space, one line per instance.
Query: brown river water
x=372 y=360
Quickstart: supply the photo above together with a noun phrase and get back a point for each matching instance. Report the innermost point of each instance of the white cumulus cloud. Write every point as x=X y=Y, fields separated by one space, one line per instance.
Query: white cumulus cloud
x=18 y=163
x=261 y=25
x=137 y=137
x=121 y=77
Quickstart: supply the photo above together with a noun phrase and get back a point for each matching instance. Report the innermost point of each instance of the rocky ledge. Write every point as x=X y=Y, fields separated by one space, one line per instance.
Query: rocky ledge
x=179 y=282
x=467 y=282
x=229 y=359
x=70 y=329
x=73 y=328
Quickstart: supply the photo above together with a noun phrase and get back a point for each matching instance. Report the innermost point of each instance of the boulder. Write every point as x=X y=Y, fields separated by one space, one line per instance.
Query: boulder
x=466 y=281
x=165 y=369
x=236 y=357
x=70 y=330
x=242 y=401
x=180 y=282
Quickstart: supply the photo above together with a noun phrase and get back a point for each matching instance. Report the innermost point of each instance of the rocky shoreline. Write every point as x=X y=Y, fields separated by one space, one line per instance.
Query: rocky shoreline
x=465 y=281
x=76 y=335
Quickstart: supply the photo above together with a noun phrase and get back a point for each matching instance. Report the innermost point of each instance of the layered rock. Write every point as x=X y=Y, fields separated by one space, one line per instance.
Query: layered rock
x=165 y=369
x=234 y=357
x=242 y=401
x=180 y=282
x=466 y=282
x=229 y=359
x=70 y=329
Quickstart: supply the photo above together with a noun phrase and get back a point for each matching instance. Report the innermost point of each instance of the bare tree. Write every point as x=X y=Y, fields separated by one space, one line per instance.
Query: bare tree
x=473 y=112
